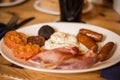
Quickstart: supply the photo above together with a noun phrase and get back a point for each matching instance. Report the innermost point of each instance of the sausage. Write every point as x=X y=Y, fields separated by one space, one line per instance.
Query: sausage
x=87 y=41
x=40 y=40
x=94 y=35
x=104 y=53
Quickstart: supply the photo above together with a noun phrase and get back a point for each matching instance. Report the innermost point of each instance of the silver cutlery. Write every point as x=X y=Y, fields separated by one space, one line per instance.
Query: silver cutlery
x=12 y=24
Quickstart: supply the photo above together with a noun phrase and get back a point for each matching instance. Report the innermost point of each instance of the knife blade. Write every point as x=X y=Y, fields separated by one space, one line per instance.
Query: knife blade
x=23 y=22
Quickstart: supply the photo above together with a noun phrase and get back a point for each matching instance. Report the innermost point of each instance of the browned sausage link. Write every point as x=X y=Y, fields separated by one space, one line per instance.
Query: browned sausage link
x=104 y=53
x=87 y=41
x=94 y=35
x=40 y=40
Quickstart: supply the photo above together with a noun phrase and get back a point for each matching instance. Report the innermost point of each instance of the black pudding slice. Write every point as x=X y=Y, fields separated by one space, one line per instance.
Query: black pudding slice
x=46 y=31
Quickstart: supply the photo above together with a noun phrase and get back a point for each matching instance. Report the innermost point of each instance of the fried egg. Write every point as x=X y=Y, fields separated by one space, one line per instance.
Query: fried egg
x=61 y=39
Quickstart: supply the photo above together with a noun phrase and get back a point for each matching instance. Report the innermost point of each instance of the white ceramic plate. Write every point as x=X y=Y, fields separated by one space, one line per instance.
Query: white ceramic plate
x=11 y=3
x=72 y=28
x=42 y=9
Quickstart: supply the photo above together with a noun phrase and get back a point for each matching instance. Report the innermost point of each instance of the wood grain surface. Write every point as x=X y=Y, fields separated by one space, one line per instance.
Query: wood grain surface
x=101 y=15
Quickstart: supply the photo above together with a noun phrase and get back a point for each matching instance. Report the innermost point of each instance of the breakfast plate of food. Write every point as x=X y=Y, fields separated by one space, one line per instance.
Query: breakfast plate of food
x=52 y=6
x=51 y=47
x=6 y=3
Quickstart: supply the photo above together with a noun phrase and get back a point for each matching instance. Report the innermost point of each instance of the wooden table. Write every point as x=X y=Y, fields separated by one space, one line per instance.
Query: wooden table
x=103 y=16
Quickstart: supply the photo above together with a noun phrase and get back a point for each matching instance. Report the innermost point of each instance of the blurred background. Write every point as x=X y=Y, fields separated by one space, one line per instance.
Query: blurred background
x=94 y=12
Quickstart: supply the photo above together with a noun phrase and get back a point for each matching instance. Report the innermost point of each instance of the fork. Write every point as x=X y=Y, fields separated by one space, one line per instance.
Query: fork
x=11 y=23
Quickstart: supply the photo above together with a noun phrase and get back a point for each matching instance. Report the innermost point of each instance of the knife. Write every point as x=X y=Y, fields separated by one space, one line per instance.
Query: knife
x=23 y=22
